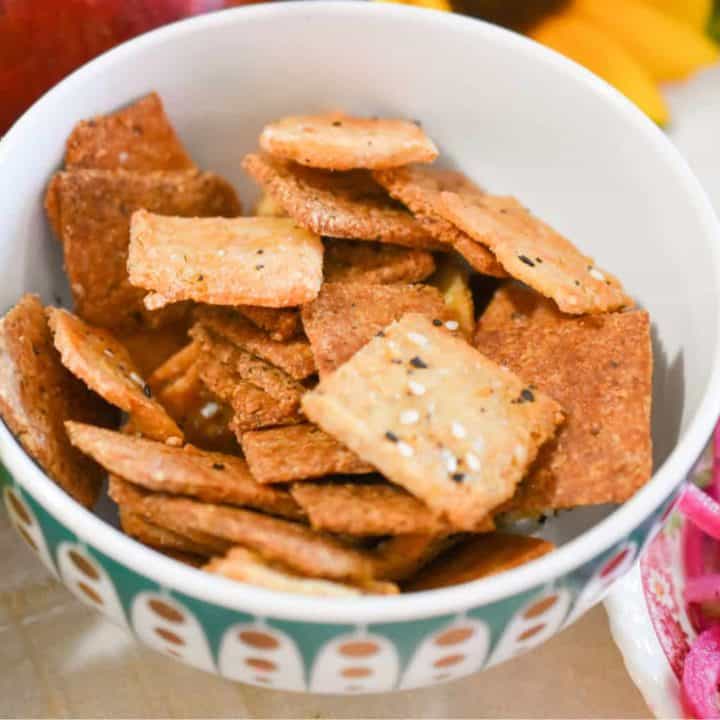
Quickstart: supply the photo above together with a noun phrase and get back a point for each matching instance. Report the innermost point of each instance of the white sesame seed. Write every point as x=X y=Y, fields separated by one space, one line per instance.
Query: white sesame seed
x=109 y=352
x=449 y=459
x=473 y=462
x=404 y=449
x=159 y=476
x=209 y=410
x=452 y=324
x=416 y=388
x=597 y=275
x=520 y=453
x=418 y=339
x=458 y=430
x=137 y=379
x=174 y=441
x=221 y=252
x=122 y=157
x=409 y=417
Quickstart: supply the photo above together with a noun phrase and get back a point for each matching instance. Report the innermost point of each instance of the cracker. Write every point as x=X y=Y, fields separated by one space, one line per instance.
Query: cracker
x=223 y=261
x=280 y=324
x=93 y=213
x=531 y=251
x=336 y=141
x=295 y=546
x=150 y=348
x=436 y=417
x=105 y=366
x=267 y=207
x=344 y=205
x=37 y=394
x=209 y=476
x=374 y=263
x=138 y=137
x=292 y=356
x=246 y=566
x=175 y=366
x=345 y=317
x=366 y=509
x=478 y=558
x=298 y=452
x=419 y=188
x=400 y=557
x=452 y=279
x=599 y=368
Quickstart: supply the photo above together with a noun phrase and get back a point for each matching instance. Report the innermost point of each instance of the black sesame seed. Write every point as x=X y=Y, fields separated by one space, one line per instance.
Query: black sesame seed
x=260 y=252
x=527 y=395
x=200 y=277
x=396 y=361
x=458 y=477
x=577 y=282
x=418 y=362
x=437 y=323
x=380 y=334
x=259 y=267
x=337 y=123
x=218 y=466
x=391 y=436
x=526 y=260
x=537 y=259
x=147 y=390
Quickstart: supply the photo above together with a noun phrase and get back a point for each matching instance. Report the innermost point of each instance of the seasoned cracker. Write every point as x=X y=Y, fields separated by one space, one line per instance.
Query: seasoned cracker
x=599 y=368
x=374 y=263
x=436 y=417
x=298 y=452
x=246 y=566
x=531 y=251
x=295 y=546
x=452 y=279
x=366 y=509
x=105 y=366
x=336 y=141
x=345 y=317
x=280 y=324
x=401 y=556
x=139 y=137
x=37 y=394
x=479 y=558
x=419 y=188
x=209 y=476
x=344 y=205
x=292 y=356
x=93 y=213
x=175 y=367
x=150 y=348
x=267 y=207
x=223 y=261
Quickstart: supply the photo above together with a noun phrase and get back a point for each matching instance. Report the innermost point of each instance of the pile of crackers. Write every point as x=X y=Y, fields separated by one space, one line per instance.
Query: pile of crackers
x=346 y=392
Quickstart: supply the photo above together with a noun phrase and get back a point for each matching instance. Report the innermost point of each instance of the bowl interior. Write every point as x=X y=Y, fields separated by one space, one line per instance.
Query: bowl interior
x=517 y=119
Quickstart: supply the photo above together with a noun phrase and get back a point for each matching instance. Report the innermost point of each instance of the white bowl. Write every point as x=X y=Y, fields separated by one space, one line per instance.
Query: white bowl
x=516 y=117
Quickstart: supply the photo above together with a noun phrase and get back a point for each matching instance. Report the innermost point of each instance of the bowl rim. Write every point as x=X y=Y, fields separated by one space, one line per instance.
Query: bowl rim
x=266 y=603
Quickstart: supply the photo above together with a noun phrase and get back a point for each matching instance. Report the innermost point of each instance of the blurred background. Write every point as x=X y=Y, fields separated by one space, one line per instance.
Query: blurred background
x=636 y=45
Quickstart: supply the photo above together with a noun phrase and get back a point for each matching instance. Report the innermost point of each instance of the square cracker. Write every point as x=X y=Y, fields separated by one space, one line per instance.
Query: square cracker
x=336 y=141
x=37 y=394
x=213 y=477
x=150 y=348
x=139 y=137
x=298 y=452
x=436 y=417
x=599 y=368
x=374 y=263
x=531 y=251
x=344 y=317
x=246 y=566
x=93 y=214
x=98 y=359
x=292 y=356
x=374 y=509
x=223 y=261
x=478 y=558
x=401 y=556
x=344 y=205
x=280 y=323
x=420 y=188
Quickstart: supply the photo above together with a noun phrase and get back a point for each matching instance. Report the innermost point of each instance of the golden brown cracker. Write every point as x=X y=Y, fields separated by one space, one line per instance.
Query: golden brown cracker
x=175 y=366
x=436 y=417
x=267 y=207
x=292 y=356
x=297 y=452
x=209 y=476
x=531 y=251
x=246 y=566
x=402 y=556
x=105 y=366
x=94 y=209
x=479 y=558
x=599 y=368
x=279 y=323
x=150 y=348
x=366 y=509
x=345 y=317
x=336 y=141
x=419 y=188
x=223 y=261
x=139 y=137
x=51 y=203
x=374 y=263
x=37 y=394
x=344 y=205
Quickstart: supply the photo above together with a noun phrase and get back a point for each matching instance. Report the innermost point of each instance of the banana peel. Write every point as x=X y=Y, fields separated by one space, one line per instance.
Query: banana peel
x=572 y=35
x=668 y=48
x=695 y=13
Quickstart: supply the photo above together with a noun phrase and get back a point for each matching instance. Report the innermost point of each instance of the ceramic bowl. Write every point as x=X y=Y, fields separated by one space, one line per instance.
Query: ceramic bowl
x=516 y=117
